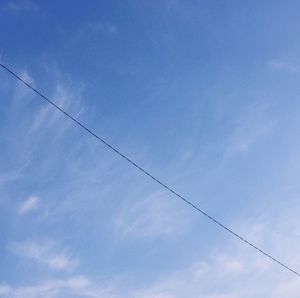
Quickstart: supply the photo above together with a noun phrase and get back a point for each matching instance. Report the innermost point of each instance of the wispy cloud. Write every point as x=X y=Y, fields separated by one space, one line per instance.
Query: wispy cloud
x=21 y=5
x=232 y=271
x=4 y=290
x=96 y=28
x=48 y=116
x=76 y=286
x=103 y=27
x=28 y=205
x=252 y=126
x=154 y=216
x=45 y=253
x=284 y=65
x=246 y=135
x=227 y=274
x=21 y=92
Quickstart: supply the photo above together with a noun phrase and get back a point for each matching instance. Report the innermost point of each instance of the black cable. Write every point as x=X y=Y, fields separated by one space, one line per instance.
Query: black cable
x=148 y=174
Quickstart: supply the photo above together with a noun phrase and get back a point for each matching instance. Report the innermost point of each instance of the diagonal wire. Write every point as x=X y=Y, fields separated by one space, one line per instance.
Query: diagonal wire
x=141 y=169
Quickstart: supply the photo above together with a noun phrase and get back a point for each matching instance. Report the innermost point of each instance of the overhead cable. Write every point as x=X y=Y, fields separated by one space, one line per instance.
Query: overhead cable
x=141 y=169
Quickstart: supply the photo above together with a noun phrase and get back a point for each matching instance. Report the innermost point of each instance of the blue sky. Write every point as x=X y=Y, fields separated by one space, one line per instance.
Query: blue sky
x=203 y=94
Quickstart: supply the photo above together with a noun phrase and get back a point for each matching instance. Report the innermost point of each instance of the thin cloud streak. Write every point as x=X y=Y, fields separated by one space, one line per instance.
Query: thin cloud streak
x=75 y=286
x=232 y=270
x=155 y=216
x=22 y=5
x=45 y=254
x=284 y=65
x=29 y=205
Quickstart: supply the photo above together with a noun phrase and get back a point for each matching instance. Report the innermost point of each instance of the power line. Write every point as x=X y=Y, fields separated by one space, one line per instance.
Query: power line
x=147 y=173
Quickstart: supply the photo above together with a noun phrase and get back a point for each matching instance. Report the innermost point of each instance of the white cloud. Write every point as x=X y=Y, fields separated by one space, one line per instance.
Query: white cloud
x=76 y=286
x=245 y=137
x=48 y=115
x=155 y=216
x=21 y=5
x=252 y=126
x=22 y=91
x=24 y=75
x=4 y=290
x=103 y=27
x=96 y=27
x=28 y=205
x=66 y=95
x=45 y=254
x=236 y=270
x=284 y=65
x=231 y=271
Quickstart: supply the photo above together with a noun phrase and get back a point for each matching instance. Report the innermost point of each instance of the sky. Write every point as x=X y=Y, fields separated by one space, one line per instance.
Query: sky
x=202 y=94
